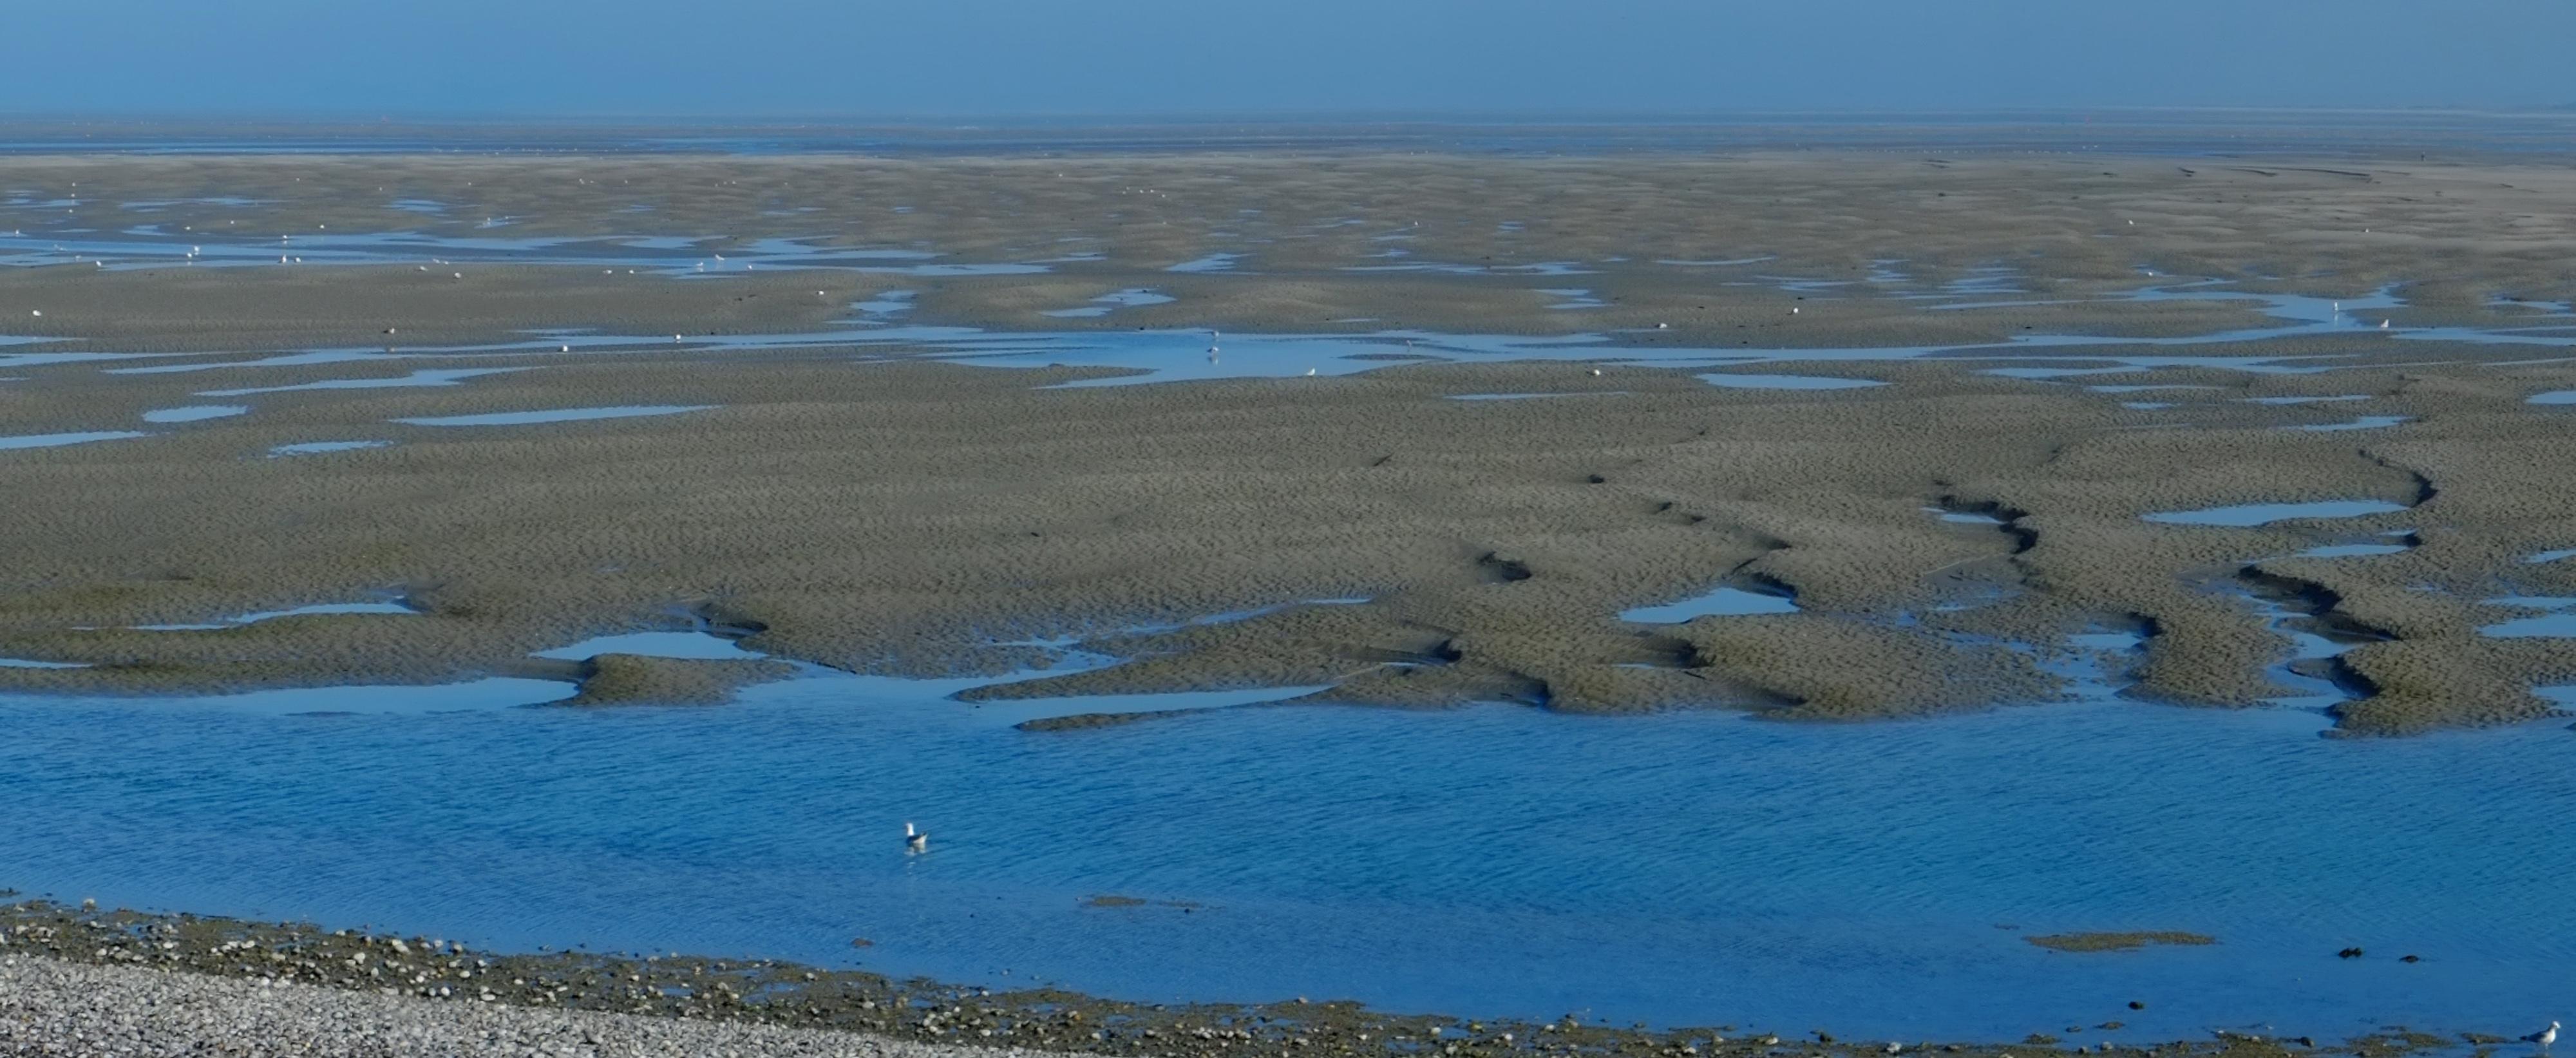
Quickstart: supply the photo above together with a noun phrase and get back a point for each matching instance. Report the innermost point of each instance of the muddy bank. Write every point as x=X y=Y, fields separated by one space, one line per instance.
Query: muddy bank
x=909 y=517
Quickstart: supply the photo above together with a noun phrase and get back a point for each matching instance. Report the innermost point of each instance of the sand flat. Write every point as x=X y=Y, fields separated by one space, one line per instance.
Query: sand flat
x=869 y=506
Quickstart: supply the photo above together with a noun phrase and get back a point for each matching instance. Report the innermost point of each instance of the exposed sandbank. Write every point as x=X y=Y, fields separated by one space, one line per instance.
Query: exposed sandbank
x=903 y=516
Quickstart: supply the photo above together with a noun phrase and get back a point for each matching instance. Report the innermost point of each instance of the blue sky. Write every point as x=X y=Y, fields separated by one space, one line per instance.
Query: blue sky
x=943 y=58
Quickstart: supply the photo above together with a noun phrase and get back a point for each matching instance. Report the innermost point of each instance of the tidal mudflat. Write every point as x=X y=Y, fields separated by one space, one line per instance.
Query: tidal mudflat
x=861 y=514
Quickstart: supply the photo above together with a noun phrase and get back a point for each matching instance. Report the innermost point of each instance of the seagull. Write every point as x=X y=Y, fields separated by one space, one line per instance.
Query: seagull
x=1596 y=372
x=1310 y=372
x=2383 y=325
x=2544 y=1037
x=915 y=841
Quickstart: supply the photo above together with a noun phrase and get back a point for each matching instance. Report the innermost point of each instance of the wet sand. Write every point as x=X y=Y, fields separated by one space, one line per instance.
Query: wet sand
x=875 y=509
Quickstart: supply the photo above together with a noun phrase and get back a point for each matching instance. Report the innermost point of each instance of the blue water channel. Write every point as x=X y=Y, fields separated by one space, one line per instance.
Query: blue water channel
x=1679 y=868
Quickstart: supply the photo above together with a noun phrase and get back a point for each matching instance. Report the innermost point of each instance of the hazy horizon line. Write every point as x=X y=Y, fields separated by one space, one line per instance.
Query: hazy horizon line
x=1280 y=116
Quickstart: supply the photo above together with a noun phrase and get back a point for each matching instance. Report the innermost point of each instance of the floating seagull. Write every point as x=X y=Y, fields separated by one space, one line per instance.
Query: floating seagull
x=915 y=841
x=2544 y=1037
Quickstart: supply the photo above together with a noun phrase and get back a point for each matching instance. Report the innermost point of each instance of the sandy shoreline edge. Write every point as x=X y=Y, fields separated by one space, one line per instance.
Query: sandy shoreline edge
x=82 y=980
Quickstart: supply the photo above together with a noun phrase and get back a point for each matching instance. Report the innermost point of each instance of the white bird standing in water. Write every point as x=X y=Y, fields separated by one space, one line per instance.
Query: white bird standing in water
x=915 y=841
x=2544 y=1037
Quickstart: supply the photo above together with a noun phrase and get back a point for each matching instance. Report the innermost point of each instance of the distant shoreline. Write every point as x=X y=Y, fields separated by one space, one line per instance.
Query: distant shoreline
x=2363 y=133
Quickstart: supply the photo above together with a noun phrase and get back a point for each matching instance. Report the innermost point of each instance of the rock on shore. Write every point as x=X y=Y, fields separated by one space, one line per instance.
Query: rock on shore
x=50 y=1007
